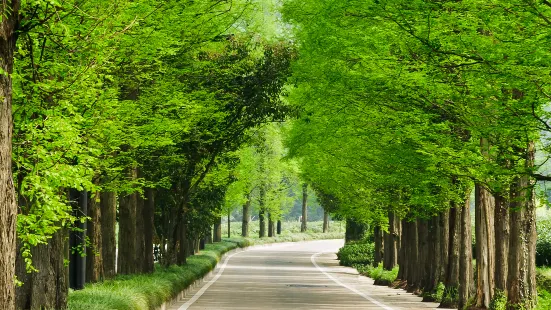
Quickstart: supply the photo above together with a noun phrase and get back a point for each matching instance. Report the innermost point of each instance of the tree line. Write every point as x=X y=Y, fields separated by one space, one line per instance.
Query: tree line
x=409 y=108
x=131 y=113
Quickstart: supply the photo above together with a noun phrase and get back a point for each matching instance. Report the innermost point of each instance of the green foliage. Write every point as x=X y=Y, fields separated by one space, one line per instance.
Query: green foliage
x=499 y=301
x=543 y=243
x=356 y=253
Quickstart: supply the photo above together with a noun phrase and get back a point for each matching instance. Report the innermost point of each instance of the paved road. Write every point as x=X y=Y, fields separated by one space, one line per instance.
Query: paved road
x=302 y=275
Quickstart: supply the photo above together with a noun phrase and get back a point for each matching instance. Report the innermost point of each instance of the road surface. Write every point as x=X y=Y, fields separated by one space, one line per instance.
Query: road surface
x=303 y=275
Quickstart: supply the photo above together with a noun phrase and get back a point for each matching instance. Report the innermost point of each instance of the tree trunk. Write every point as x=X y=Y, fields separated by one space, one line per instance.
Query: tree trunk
x=218 y=229
x=379 y=245
x=279 y=227
x=465 y=258
x=432 y=260
x=444 y=241
x=261 y=213
x=423 y=257
x=413 y=259
x=49 y=287
x=450 y=298
x=108 y=205
x=149 y=230
x=246 y=218
x=140 y=234
x=94 y=263
x=77 y=239
x=325 y=221
x=402 y=257
x=208 y=238
x=229 y=225
x=392 y=242
x=385 y=248
x=126 y=261
x=270 y=226
x=262 y=224
x=485 y=246
x=8 y=210
x=501 y=224
x=522 y=244
x=304 y=222
x=181 y=256
x=354 y=230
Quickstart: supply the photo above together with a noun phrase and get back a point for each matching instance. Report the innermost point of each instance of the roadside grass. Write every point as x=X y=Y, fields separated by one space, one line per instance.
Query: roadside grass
x=149 y=291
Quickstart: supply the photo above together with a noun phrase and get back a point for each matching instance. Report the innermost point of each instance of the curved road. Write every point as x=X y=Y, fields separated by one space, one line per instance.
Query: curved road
x=303 y=275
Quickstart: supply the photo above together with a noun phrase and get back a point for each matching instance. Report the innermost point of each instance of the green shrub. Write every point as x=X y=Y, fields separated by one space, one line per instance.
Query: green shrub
x=543 y=243
x=381 y=275
x=357 y=253
x=499 y=302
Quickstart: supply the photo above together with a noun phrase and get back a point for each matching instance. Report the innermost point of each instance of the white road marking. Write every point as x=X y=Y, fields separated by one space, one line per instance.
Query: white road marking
x=313 y=259
x=211 y=282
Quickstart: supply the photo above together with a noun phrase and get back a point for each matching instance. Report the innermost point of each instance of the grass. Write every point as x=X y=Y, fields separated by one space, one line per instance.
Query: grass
x=379 y=274
x=145 y=292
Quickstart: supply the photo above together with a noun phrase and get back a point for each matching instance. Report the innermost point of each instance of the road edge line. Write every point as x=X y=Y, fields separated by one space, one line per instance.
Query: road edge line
x=205 y=287
x=313 y=260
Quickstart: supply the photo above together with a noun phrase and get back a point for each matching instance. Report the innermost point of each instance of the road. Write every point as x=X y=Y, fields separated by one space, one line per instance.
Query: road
x=303 y=275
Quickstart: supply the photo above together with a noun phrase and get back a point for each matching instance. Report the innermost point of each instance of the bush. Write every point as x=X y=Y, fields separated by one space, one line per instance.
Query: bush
x=356 y=253
x=543 y=243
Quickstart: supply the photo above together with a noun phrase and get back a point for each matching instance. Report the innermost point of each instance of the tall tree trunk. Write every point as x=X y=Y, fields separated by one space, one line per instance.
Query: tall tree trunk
x=77 y=239
x=94 y=263
x=392 y=242
x=140 y=233
x=444 y=241
x=208 y=238
x=379 y=245
x=402 y=257
x=47 y=288
x=279 y=227
x=229 y=224
x=465 y=258
x=485 y=246
x=304 y=222
x=501 y=224
x=325 y=221
x=424 y=257
x=9 y=22
x=450 y=298
x=355 y=230
x=126 y=261
x=246 y=218
x=522 y=244
x=385 y=249
x=261 y=213
x=432 y=260
x=413 y=259
x=270 y=226
x=149 y=230
x=108 y=205
x=181 y=256
x=218 y=229
x=262 y=224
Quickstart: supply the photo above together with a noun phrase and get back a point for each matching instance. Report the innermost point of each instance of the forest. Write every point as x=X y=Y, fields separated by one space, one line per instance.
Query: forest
x=129 y=129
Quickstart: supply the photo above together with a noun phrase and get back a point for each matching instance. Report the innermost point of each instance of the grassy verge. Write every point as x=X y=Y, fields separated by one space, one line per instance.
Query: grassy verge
x=543 y=278
x=145 y=292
